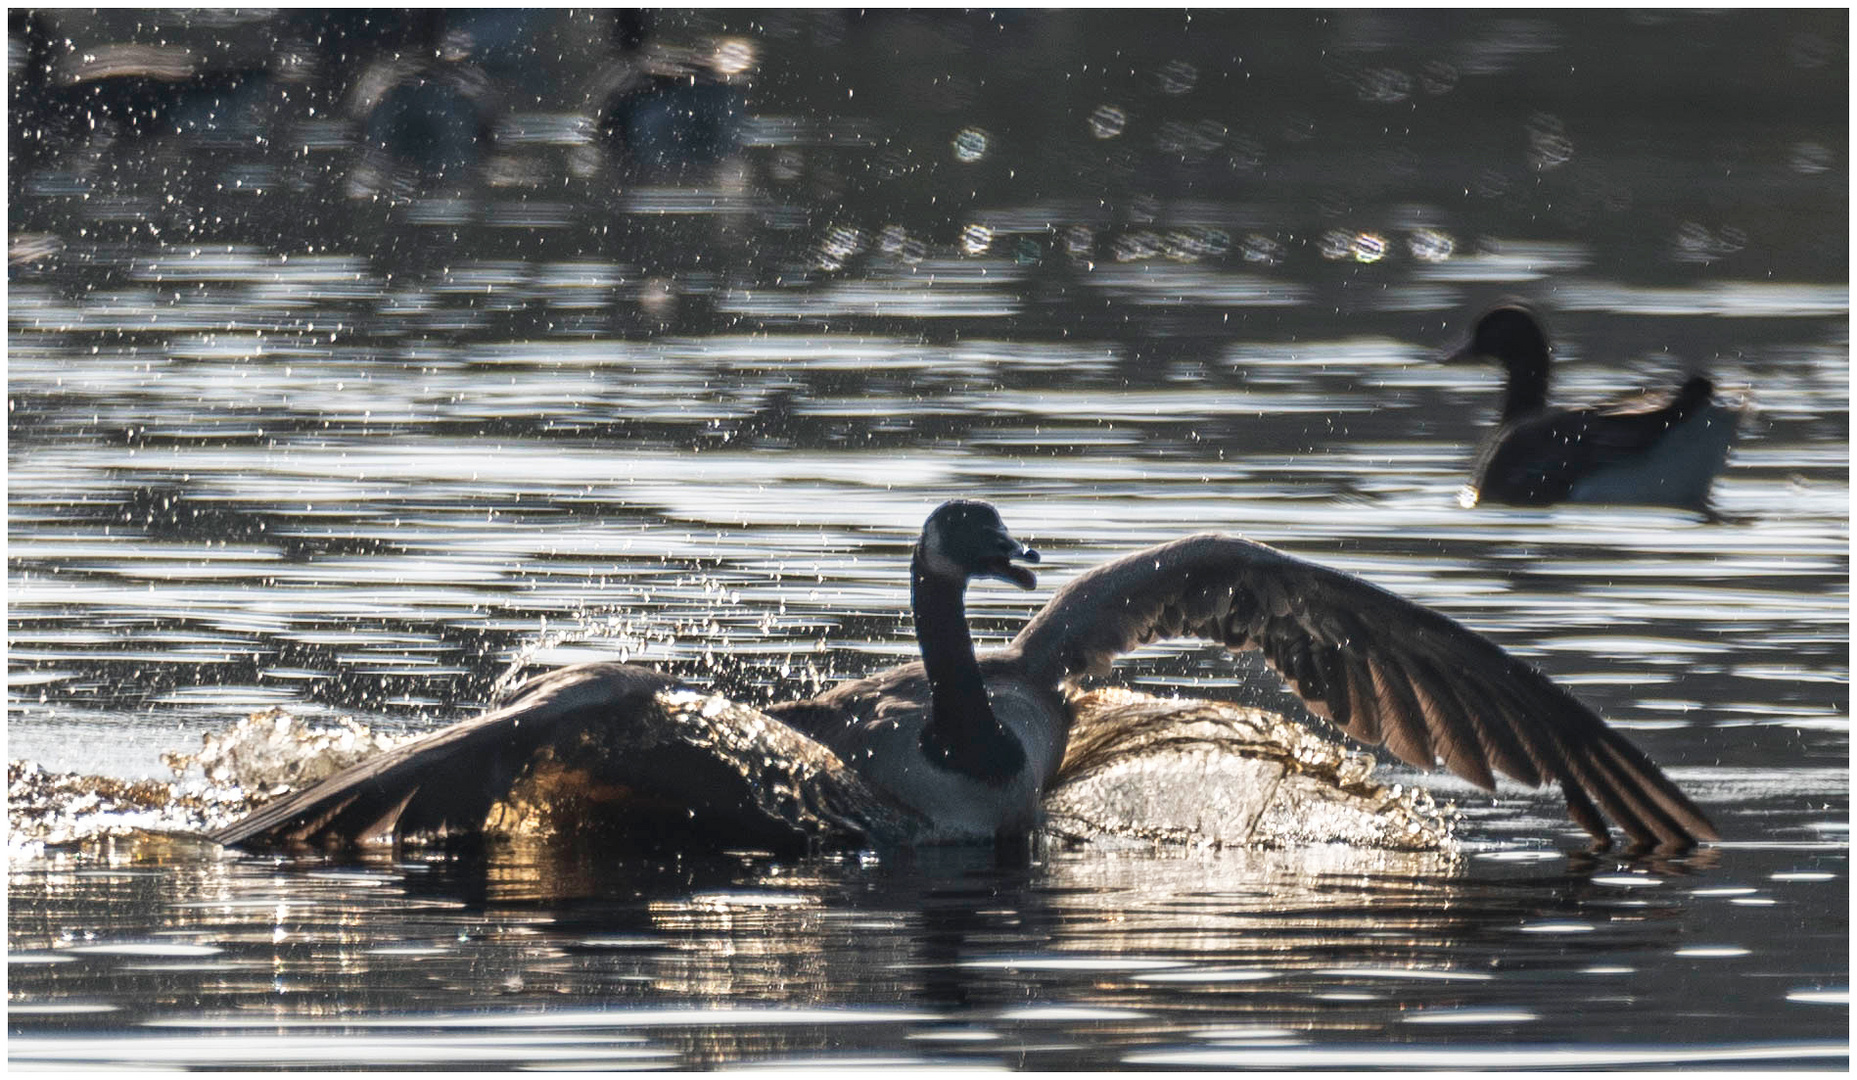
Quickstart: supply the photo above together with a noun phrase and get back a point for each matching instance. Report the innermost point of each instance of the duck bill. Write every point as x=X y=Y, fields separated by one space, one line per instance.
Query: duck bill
x=1004 y=570
x=1465 y=354
x=1020 y=576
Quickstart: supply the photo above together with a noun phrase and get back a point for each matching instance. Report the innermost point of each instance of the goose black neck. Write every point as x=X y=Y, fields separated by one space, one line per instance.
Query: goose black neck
x=1527 y=390
x=962 y=732
x=1524 y=354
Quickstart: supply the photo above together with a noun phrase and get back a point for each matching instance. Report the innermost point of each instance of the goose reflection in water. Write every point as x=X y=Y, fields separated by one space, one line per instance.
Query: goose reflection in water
x=961 y=747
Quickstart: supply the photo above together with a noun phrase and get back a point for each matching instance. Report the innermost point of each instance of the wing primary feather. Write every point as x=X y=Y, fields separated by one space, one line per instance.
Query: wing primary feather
x=1496 y=727
x=1401 y=722
x=1564 y=731
x=1452 y=734
x=1583 y=771
x=1351 y=677
x=1653 y=781
x=313 y=826
x=1561 y=757
x=1680 y=819
x=1536 y=716
x=1500 y=729
x=1363 y=702
x=1655 y=824
x=1585 y=814
x=380 y=831
x=1334 y=683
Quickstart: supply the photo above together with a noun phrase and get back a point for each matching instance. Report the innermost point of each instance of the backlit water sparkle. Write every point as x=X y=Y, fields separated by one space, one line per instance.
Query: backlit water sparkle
x=358 y=457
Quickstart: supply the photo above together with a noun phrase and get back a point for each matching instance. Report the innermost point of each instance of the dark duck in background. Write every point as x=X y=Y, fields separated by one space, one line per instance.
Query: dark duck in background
x=1654 y=448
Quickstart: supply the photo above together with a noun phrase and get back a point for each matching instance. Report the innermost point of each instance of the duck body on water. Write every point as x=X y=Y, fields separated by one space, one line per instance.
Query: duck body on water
x=1654 y=448
x=961 y=747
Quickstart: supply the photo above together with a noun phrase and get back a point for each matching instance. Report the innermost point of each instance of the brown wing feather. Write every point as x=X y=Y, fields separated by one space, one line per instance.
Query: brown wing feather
x=592 y=743
x=1383 y=668
x=447 y=782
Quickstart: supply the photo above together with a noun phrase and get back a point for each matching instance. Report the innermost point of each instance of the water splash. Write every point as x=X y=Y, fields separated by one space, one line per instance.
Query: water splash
x=1139 y=768
x=271 y=750
x=235 y=771
x=1208 y=773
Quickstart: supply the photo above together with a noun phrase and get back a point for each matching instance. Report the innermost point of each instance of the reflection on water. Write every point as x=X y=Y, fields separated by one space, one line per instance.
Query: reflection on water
x=298 y=422
x=388 y=564
x=1090 y=956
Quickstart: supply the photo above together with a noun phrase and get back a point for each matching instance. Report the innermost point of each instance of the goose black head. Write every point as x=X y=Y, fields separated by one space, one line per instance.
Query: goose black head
x=1510 y=334
x=965 y=539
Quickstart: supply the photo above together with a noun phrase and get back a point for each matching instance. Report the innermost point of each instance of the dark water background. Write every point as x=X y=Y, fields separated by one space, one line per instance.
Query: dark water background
x=344 y=384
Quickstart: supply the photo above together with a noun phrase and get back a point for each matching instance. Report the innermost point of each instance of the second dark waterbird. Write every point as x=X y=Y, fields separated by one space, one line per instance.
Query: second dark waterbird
x=1654 y=448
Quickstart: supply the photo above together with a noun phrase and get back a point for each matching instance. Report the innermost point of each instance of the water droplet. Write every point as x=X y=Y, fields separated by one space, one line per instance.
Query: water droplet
x=786 y=166
x=1430 y=245
x=976 y=239
x=1809 y=159
x=839 y=244
x=1134 y=247
x=1437 y=77
x=1107 y=121
x=1259 y=248
x=1385 y=86
x=970 y=144
x=732 y=56
x=1490 y=184
x=1548 y=144
x=1177 y=77
x=1369 y=247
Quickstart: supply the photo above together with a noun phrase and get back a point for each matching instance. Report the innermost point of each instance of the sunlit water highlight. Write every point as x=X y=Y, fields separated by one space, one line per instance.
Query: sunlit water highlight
x=374 y=481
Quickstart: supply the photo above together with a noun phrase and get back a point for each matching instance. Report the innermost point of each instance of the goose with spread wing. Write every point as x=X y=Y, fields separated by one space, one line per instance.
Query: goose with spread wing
x=961 y=746
x=1654 y=448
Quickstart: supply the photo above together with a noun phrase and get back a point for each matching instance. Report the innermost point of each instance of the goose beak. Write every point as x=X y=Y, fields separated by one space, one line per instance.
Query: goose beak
x=1464 y=354
x=1001 y=567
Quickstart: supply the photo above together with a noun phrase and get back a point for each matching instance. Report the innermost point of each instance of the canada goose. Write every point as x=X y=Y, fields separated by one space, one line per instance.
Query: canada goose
x=1655 y=448
x=963 y=747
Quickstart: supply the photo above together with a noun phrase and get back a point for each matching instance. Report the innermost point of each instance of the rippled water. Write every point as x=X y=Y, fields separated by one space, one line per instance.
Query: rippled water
x=1308 y=958
x=242 y=476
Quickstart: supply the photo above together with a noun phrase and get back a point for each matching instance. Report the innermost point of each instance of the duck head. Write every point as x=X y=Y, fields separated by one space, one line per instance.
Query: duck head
x=965 y=539
x=1510 y=334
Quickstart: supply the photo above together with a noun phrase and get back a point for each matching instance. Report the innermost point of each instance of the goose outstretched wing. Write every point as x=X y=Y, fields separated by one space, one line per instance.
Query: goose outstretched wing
x=1383 y=669
x=592 y=738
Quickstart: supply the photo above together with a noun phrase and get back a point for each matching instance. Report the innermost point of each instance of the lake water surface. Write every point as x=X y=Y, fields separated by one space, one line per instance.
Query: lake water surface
x=365 y=457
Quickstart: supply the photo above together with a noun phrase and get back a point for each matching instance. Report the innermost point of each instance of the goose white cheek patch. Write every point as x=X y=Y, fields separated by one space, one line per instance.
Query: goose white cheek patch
x=935 y=557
